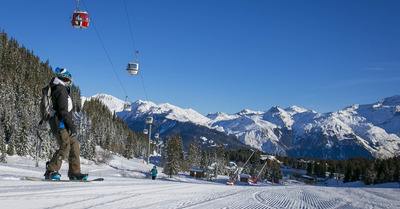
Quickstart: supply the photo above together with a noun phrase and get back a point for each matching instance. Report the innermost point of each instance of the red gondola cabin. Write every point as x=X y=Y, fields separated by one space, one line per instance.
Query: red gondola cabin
x=80 y=19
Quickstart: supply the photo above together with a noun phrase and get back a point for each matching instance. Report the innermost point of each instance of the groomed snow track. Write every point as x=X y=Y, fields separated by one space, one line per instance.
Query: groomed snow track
x=146 y=193
x=119 y=190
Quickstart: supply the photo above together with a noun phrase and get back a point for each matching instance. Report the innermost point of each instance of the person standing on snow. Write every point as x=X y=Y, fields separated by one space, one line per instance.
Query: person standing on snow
x=154 y=173
x=63 y=128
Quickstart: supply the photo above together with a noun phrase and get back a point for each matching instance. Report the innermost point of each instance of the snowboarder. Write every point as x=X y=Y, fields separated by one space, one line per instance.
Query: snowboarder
x=154 y=173
x=63 y=128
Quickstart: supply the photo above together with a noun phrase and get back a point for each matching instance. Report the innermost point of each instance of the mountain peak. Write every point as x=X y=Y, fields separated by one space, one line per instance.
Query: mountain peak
x=244 y=111
x=169 y=111
x=369 y=130
x=247 y=111
x=275 y=109
x=393 y=101
x=220 y=116
x=113 y=103
x=213 y=116
x=296 y=109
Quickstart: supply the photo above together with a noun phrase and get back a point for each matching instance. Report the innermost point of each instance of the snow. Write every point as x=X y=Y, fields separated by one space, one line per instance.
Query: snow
x=220 y=116
x=375 y=126
x=171 y=112
x=111 y=102
x=127 y=185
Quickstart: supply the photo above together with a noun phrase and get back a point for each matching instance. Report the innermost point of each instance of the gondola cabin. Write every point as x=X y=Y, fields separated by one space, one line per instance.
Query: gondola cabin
x=149 y=120
x=127 y=107
x=132 y=68
x=80 y=19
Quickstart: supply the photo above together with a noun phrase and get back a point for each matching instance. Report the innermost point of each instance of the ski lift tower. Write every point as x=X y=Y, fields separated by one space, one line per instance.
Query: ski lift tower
x=149 y=120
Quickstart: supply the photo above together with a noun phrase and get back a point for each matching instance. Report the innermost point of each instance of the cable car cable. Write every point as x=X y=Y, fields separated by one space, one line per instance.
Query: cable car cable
x=130 y=29
x=144 y=88
x=134 y=48
x=102 y=44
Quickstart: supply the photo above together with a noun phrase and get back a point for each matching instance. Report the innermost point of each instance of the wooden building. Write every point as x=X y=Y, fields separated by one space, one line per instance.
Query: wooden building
x=244 y=178
x=197 y=172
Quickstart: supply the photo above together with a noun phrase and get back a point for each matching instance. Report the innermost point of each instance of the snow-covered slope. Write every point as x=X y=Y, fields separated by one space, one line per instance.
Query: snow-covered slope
x=140 y=108
x=371 y=130
x=358 y=130
x=171 y=120
x=113 y=103
x=126 y=186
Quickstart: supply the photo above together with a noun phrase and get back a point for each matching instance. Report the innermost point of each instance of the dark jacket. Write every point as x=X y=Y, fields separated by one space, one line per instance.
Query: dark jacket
x=59 y=95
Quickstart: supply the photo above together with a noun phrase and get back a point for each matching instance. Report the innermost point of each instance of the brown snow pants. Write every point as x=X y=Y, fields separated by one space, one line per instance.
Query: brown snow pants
x=68 y=147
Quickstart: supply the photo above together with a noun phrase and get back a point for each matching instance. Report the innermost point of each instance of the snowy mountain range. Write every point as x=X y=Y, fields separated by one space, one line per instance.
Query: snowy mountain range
x=371 y=130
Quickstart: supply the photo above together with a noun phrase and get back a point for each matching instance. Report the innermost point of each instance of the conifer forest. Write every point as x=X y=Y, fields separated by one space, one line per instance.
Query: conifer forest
x=23 y=75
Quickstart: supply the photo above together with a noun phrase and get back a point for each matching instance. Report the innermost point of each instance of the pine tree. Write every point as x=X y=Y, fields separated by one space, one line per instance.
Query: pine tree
x=172 y=156
x=129 y=146
x=273 y=171
x=348 y=175
x=255 y=163
x=332 y=168
x=85 y=138
x=11 y=146
x=76 y=98
x=3 y=157
x=180 y=149
x=24 y=145
x=204 y=159
x=276 y=173
x=310 y=168
x=367 y=179
x=194 y=155
x=220 y=158
x=320 y=168
x=396 y=174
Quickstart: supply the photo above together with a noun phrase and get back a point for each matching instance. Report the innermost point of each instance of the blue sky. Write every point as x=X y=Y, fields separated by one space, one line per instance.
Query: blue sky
x=221 y=55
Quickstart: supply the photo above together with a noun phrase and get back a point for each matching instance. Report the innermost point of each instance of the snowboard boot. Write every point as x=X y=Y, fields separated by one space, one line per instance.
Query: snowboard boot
x=52 y=175
x=78 y=176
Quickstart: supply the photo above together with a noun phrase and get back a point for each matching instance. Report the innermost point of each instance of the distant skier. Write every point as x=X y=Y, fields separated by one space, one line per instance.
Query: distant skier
x=63 y=128
x=154 y=173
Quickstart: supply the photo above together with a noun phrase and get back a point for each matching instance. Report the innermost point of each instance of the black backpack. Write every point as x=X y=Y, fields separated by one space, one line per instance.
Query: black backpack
x=46 y=105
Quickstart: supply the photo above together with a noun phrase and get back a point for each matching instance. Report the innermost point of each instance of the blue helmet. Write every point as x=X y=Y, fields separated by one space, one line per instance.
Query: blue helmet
x=63 y=74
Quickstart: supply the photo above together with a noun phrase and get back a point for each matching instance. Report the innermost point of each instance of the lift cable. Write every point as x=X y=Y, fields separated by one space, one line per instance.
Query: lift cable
x=102 y=44
x=130 y=29
x=134 y=48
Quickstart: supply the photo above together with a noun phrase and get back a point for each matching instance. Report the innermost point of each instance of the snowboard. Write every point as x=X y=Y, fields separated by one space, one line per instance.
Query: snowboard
x=60 y=180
